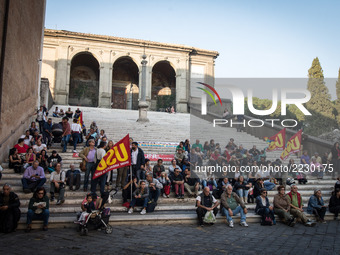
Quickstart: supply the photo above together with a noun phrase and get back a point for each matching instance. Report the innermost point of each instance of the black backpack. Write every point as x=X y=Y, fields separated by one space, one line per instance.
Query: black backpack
x=151 y=206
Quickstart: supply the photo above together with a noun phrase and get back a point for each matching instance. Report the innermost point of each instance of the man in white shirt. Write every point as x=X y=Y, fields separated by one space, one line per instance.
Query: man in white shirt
x=137 y=160
x=28 y=139
x=58 y=184
x=39 y=147
x=76 y=132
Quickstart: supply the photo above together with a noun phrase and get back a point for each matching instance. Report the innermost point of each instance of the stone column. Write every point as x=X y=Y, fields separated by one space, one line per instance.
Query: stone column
x=148 y=84
x=104 y=86
x=61 y=91
x=181 y=92
x=143 y=105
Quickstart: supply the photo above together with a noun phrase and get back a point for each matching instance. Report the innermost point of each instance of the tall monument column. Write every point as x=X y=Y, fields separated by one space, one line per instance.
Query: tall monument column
x=143 y=105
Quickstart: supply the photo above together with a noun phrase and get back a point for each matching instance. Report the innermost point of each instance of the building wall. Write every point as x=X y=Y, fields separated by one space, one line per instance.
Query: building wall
x=60 y=47
x=20 y=77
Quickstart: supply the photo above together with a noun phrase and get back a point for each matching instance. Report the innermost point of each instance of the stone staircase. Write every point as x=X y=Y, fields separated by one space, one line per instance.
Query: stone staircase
x=163 y=127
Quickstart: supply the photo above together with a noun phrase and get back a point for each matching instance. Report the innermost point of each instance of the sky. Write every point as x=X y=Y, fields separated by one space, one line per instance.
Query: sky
x=255 y=39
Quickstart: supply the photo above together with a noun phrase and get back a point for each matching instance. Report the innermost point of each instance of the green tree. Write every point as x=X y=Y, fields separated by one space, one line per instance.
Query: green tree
x=337 y=101
x=320 y=105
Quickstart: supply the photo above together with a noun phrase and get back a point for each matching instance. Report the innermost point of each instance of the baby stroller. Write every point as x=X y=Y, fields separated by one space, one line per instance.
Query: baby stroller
x=57 y=131
x=97 y=219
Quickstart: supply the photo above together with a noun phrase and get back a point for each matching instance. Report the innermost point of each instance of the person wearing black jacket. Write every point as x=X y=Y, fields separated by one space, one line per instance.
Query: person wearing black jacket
x=9 y=210
x=263 y=207
x=137 y=160
x=334 y=203
x=257 y=187
x=54 y=159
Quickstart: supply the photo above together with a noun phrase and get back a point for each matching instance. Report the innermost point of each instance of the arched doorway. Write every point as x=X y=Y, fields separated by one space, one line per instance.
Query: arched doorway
x=125 y=90
x=163 y=92
x=84 y=80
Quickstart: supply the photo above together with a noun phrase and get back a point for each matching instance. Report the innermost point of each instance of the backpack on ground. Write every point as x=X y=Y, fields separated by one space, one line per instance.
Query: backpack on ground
x=151 y=206
x=266 y=221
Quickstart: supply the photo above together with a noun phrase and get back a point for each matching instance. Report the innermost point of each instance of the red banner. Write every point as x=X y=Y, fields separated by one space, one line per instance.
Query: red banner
x=293 y=145
x=155 y=157
x=117 y=157
x=80 y=119
x=277 y=142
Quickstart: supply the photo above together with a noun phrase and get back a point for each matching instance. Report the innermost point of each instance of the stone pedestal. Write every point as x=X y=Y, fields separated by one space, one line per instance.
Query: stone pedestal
x=143 y=110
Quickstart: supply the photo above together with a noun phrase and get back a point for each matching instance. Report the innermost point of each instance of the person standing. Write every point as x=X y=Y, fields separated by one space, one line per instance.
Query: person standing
x=101 y=179
x=41 y=118
x=66 y=133
x=88 y=154
x=335 y=159
x=47 y=133
x=76 y=133
x=137 y=160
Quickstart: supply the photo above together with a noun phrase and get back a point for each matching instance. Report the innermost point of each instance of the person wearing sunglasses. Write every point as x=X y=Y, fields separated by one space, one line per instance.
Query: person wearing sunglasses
x=264 y=209
x=38 y=209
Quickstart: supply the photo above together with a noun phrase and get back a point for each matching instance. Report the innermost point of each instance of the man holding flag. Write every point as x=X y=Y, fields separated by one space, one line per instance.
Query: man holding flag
x=102 y=179
x=118 y=156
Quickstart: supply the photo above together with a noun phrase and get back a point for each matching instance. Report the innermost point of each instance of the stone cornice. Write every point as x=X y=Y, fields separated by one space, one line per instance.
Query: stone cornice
x=135 y=42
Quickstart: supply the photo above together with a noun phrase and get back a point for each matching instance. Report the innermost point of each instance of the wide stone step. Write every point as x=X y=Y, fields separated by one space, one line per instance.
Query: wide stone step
x=66 y=221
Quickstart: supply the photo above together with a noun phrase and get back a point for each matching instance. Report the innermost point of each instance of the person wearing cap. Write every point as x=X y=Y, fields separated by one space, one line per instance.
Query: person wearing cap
x=9 y=209
x=296 y=205
x=88 y=156
x=263 y=207
x=317 y=206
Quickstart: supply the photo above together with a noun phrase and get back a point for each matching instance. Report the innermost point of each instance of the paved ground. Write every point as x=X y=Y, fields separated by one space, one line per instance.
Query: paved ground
x=180 y=239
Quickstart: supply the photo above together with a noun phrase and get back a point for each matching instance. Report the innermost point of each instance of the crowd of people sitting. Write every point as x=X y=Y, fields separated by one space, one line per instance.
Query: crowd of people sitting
x=142 y=184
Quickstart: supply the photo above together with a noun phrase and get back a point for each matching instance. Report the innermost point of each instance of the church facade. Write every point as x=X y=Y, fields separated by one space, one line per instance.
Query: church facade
x=105 y=71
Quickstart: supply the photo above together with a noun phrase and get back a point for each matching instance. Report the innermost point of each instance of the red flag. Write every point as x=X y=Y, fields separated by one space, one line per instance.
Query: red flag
x=80 y=119
x=276 y=142
x=293 y=145
x=116 y=157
